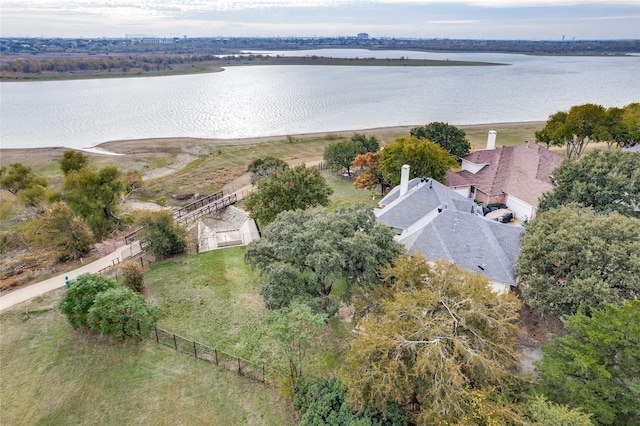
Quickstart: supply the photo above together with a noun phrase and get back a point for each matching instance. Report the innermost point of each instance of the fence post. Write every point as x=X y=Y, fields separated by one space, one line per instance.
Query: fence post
x=215 y=352
x=156 y=330
x=175 y=343
x=264 y=379
x=239 y=369
x=141 y=262
x=195 y=351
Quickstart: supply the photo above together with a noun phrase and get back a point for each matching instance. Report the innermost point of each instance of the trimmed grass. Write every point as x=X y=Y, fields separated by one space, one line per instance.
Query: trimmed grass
x=52 y=375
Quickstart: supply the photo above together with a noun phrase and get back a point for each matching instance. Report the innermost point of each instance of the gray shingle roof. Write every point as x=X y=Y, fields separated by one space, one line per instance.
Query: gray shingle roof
x=421 y=198
x=471 y=242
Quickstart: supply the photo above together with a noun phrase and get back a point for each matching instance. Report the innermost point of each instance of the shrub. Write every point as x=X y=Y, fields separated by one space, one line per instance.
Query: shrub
x=132 y=276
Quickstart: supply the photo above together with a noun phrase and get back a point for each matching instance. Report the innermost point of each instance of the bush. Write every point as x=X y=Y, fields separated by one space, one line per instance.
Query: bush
x=79 y=298
x=132 y=276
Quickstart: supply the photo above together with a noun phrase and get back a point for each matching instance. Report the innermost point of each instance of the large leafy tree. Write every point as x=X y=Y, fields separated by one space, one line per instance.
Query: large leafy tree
x=263 y=166
x=302 y=254
x=78 y=299
x=425 y=158
x=571 y=257
x=72 y=160
x=294 y=328
x=367 y=144
x=159 y=234
x=543 y=412
x=19 y=177
x=93 y=195
x=120 y=312
x=339 y=155
x=443 y=343
x=604 y=180
x=449 y=137
x=575 y=128
x=322 y=401
x=373 y=177
x=596 y=366
x=61 y=231
x=296 y=188
x=631 y=123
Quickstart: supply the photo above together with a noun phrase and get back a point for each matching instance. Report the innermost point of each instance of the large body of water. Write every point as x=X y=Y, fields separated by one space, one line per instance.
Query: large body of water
x=257 y=101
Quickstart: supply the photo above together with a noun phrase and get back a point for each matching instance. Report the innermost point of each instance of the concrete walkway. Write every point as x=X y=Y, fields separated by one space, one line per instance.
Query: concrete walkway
x=34 y=290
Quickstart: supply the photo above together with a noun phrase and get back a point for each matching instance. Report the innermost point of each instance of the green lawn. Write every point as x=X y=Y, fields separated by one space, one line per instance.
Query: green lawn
x=52 y=375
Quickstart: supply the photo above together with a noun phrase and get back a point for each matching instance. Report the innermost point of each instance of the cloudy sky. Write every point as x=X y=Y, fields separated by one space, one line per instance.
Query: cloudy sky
x=476 y=19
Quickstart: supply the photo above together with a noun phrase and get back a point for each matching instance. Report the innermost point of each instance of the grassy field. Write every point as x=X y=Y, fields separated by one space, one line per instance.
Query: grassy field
x=52 y=375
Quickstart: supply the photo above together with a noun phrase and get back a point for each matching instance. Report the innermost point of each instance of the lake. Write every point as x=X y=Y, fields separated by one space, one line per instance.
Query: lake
x=257 y=101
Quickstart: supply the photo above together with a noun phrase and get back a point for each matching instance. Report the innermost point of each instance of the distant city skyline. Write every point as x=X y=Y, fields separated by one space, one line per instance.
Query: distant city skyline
x=473 y=19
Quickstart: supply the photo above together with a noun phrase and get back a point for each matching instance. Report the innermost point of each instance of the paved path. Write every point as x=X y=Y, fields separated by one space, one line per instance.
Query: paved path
x=34 y=290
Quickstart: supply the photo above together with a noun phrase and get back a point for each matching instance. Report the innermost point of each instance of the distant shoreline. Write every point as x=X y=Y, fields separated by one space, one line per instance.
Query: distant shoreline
x=189 y=148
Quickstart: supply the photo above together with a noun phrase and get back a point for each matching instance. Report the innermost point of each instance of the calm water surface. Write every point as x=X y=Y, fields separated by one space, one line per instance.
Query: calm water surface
x=280 y=100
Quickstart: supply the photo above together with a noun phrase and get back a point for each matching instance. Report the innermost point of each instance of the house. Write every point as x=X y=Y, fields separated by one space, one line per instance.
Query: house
x=515 y=175
x=435 y=220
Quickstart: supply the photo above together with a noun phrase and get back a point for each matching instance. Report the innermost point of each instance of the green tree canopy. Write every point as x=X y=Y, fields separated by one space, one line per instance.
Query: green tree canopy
x=19 y=177
x=323 y=402
x=543 y=412
x=447 y=136
x=78 y=299
x=263 y=166
x=302 y=254
x=93 y=195
x=571 y=257
x=596 y=366
x=604 y=180
x=160 y=235
x=425 y=158
x=339 y=155
x=578 y=127
x=296 y=188
x=120 y=312
x=294 y=328
x=443 y=342
x=61 y=231
x=72 y=161
x=367 y=144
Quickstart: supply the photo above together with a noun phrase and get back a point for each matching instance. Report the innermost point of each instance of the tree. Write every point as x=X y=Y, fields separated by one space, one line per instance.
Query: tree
x=596 y=366
x=78 y=299
x=425 y=158
x=297 y=188
x=577 y=128
x=369 y=144
x=443 y=343
x=119 y=312
x=545 y=413
x=373 y=176
x=447 y=136
x=263 y=166
x=159 y=235
x=72 y=161
x=61 y=231
x=302 y=254
x=132 y=276
x=322 y=401
x=339 y=155
x=19 y=177
x=631 y=123
x=604 y=180
x=93 y=195
x=294 y=328
x=571 y=257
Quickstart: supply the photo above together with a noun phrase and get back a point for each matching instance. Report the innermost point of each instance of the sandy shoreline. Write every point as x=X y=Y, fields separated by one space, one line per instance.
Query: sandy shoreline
x=186 y=148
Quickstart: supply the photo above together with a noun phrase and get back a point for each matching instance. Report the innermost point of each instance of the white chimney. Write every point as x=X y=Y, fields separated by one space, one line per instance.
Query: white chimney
x=404 y=180
x=491 y=140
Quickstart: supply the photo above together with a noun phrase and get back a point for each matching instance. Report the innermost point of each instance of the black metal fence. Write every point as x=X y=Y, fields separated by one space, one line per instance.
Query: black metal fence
x=221 y=359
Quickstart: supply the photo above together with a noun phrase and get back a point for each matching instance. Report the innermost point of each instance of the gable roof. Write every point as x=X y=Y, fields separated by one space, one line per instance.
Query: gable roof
x=423 y=196
x=522 y=171
x=471 y=242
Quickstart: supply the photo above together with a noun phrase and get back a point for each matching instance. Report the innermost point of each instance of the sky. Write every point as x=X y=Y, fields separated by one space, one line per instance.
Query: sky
x=459 y=19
